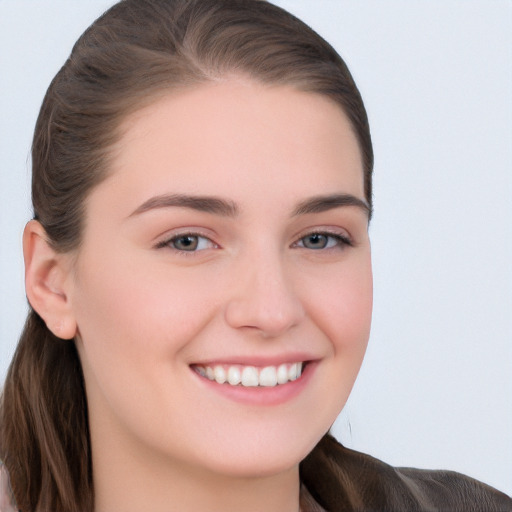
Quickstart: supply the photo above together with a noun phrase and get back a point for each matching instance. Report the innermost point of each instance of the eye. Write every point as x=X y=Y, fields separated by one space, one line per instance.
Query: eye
x=323 y=241
x=188 y=242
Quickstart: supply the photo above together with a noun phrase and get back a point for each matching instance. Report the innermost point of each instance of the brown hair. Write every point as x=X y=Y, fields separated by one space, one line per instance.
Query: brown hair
x=135 y=51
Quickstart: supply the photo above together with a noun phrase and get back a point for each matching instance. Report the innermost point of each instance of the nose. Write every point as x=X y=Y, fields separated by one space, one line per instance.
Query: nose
x=263 y=300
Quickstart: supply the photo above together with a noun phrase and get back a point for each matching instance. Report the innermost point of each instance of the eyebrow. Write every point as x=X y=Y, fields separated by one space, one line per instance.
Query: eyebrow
x=320 y=204
x=226 y=208
x=206 y=204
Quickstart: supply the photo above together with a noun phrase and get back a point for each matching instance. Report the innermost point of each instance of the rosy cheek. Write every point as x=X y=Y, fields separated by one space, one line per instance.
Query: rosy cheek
x=346 y=311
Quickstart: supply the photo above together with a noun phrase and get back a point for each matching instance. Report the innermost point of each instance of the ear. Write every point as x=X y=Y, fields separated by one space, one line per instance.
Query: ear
x=47 y=281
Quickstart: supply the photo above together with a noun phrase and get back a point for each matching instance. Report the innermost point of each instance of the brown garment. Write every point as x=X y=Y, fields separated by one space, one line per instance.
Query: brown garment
x=343 y=480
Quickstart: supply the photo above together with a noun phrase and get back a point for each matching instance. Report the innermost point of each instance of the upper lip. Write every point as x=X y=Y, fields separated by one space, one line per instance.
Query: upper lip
x=255 y=360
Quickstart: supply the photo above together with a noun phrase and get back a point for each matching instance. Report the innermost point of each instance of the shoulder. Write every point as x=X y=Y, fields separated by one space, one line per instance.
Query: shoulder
x=442 y=487
x=343 y=479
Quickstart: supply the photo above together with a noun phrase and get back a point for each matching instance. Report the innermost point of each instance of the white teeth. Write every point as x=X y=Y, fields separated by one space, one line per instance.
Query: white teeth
x=250 y=376
x=292 y=372
x=268 y=376
x=219 y=374
x=234 y=375
x=282 y=374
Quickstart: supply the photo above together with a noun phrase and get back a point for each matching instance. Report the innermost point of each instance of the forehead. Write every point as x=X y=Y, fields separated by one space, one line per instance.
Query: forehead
x=240 y=137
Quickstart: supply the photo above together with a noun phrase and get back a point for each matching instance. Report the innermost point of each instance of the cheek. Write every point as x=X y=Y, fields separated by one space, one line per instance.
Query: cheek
x=343 y=306
x=137 y=315
x=341 y=309
x=135 y=323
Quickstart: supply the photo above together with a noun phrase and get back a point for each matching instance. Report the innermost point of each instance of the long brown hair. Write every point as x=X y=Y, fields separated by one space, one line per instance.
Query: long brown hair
x=137 y=50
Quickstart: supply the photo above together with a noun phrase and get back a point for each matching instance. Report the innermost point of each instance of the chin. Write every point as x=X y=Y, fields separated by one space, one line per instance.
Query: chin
x=260 y=456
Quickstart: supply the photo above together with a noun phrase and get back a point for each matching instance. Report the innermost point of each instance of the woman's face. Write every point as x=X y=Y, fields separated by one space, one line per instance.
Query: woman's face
x=229 y=242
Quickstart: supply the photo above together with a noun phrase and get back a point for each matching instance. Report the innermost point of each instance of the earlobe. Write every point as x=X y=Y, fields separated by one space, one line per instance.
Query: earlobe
x=47 y=281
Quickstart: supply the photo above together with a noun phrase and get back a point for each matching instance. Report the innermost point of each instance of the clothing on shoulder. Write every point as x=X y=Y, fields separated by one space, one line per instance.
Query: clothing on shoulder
x=339 y=480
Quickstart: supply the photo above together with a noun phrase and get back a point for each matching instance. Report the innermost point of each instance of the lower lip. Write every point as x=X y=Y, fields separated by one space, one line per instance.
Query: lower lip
x=261 y=395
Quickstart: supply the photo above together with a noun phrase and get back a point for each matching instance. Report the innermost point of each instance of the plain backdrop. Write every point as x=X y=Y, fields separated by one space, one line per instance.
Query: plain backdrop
x=435 y=390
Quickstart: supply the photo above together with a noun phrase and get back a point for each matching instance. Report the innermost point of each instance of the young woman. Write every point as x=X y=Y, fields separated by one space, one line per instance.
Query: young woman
x=200 y=277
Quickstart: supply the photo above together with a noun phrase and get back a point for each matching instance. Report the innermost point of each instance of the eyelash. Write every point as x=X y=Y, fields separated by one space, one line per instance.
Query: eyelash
x=340 y=241
x=167 y=243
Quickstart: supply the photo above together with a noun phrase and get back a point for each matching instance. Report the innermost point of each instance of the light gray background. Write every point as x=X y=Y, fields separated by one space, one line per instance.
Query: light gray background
x=436 y=387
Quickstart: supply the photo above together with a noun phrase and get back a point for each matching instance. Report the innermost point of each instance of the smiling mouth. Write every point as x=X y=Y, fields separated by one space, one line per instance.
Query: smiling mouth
x=251 y=376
